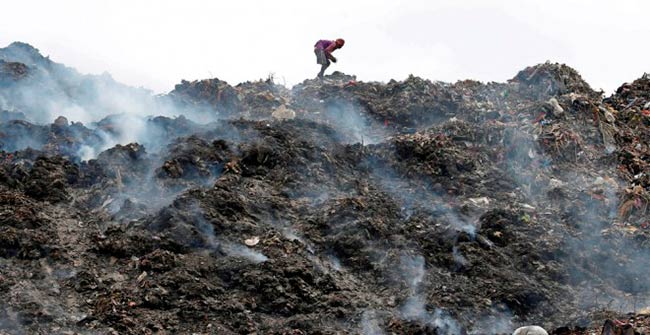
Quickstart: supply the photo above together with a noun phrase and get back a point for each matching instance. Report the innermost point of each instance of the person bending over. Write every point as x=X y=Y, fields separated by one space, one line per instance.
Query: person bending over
x=323 y=50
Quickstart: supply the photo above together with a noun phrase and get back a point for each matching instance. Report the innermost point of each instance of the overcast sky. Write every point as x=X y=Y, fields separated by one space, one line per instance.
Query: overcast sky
x=155 y=44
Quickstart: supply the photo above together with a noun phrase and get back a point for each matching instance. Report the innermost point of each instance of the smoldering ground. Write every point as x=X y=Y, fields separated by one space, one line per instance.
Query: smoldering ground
x=405 y=207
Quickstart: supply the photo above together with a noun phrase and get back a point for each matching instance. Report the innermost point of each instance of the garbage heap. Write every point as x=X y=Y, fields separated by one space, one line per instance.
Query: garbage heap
x=334 y=207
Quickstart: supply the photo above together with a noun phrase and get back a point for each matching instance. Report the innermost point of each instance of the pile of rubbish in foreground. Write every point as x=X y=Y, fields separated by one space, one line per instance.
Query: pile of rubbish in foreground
x=334 y=207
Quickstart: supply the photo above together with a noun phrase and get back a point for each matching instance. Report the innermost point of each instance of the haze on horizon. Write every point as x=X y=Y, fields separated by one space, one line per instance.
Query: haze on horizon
x=155 y=44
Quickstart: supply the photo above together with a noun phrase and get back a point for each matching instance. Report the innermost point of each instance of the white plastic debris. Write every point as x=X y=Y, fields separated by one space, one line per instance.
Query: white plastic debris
x=555 y=183
x=527 y=208
x=531 y=153
x=283 y=113
x=253 y=241
x=557 y=109
x=609 y=116
x=530 y=330
x=482 y=201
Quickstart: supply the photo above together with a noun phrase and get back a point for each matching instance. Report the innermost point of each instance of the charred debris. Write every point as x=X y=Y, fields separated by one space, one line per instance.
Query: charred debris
x=334 y=207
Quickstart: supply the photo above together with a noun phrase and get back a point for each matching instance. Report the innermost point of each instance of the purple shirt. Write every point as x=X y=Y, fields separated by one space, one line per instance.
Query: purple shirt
x=323 y=44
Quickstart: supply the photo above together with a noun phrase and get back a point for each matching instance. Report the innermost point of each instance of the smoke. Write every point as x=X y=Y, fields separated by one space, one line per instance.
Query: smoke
x=604 y=271
x=414 y=309
x=116 y=114
x=418 y=196
x=352 y=124
x=79 y=98
x=44 y=307
x=112 y=113
x=205 y=228
x=335 y=262
x=614 y=273
x=496 y=321
x=413 y=273
x=238 y=250
x=86 y=152
x=18 y=135
x=370 y=324
x=139 y=190
x=212 y=242
x=458 y=257
x=10 y=321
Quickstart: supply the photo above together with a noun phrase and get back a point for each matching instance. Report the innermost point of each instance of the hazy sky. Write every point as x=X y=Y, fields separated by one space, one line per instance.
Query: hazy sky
x=155 y=44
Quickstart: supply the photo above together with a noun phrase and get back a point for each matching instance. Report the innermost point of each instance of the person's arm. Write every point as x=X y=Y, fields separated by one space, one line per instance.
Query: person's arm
x=328 y=52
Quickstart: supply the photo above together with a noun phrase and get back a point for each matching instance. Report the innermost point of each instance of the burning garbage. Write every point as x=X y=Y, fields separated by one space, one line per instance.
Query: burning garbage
x=334 y=206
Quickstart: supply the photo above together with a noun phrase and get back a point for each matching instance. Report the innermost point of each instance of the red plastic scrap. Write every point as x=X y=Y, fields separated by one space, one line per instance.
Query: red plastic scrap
x=620 y=323
x=645 y=112
x=350 y=83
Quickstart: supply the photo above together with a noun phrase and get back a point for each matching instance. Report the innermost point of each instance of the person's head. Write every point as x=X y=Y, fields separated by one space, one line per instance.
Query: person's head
x=339 y=42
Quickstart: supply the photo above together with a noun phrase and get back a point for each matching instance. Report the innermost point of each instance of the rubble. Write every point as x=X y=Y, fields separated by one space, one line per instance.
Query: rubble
x=334 y=207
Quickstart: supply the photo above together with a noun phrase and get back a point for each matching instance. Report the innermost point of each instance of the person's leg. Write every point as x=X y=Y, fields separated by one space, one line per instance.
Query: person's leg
x=323 y=61
x=318 y=57
x=322 y=70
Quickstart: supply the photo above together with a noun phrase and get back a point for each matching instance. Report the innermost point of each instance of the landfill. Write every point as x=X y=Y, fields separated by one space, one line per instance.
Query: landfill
x=332 y=207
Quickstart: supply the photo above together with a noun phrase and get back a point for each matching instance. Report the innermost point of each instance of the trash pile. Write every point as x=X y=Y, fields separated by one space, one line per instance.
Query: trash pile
x=333 y=207
x=629 y=112
x=12 y=71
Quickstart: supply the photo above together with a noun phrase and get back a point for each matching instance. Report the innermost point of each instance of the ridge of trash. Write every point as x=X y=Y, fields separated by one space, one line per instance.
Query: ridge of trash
x=332 y=207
